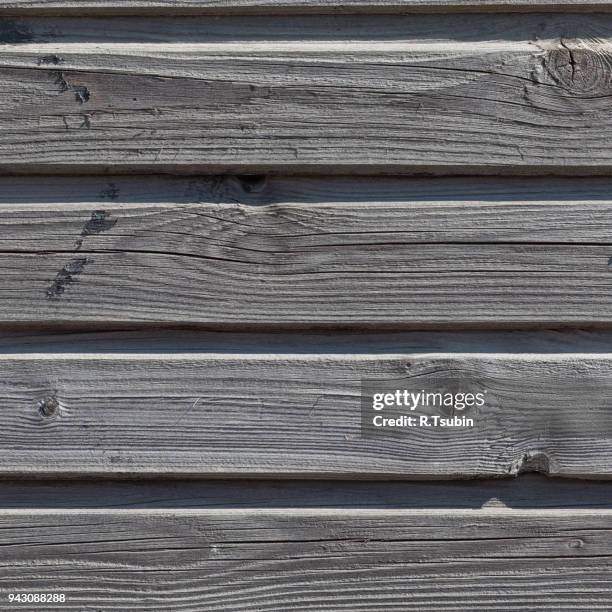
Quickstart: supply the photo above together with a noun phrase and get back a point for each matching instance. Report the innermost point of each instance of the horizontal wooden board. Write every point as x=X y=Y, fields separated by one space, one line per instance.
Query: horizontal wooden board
x=310 y=560
x=527 y=492
x=355 y=93
x=255 y=250
x=182 y=7
x=229 y=408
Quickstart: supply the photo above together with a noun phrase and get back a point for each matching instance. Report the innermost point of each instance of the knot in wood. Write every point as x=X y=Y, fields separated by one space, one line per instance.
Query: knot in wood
x=576 y=543
x=48 y=407
x=531 y=461
x=579 y=68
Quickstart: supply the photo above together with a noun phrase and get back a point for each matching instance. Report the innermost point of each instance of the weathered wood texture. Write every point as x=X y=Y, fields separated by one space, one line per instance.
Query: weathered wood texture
x=247 y=97
x=370 y=93
x=310 y=560
x=224 y=7
x=226 y=408
x=233 y=250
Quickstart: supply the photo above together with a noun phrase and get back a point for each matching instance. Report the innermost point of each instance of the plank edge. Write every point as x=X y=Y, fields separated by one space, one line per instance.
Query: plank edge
x=307 y=7
x=290 y=169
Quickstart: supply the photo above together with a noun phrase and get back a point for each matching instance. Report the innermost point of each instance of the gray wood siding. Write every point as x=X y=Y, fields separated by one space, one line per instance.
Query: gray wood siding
x=257 y=250
x=219 y=217
x=308 y=545
x=218 y=406
x=312 y=560
x=224 y=7
x=369 y=93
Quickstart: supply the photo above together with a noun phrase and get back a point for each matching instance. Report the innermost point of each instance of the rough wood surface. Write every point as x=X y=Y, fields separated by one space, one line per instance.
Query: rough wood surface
x=359 y=93
x=246 y=97
x=243 y=411
x=181 y=7
x=232 y=250
x=310 y=560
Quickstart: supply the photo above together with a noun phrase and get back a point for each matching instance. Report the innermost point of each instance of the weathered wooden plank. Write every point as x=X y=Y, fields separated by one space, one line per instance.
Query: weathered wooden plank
x=528 y=492
x=310 y=560
x=359 y=93
x=438 y=284
x=245 y=251
x=243 y=411
x=188 y=7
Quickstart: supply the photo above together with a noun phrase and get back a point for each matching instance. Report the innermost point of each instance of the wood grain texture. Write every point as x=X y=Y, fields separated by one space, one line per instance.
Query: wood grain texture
x=357 y=93
x=239 y=411
x=253 y=251
x=311 y=560
x=195 y=7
